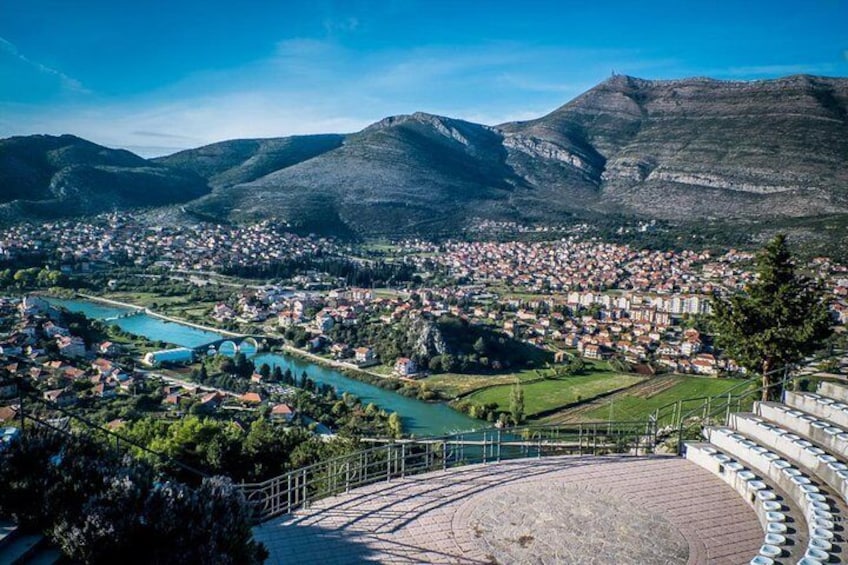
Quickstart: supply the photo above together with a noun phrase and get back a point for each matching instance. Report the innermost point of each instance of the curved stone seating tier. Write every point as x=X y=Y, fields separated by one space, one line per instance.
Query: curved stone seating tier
x=785 y=539
x=835 y=391
x=818 y=406
x=830 y=437
x=810 y=455
x=821 y=512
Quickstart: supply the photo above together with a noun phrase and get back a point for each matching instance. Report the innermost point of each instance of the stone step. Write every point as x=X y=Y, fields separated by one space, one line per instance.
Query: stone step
x=818 y=406
x=20 y=549
x=831 y=437
x=807 y=454
x=785 y=539
x=836 y=391
x=820 y=508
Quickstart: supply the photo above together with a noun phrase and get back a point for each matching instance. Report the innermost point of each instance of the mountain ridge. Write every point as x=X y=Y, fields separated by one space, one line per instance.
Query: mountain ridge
x=45 y=176
x=678 y=149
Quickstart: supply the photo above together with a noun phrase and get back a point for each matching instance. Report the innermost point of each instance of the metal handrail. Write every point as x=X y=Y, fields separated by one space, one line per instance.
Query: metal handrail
x=300 y=487
x=678 y=418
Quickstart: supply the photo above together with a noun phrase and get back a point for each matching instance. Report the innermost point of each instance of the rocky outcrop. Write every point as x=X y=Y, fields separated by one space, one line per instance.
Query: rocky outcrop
x=428 y=339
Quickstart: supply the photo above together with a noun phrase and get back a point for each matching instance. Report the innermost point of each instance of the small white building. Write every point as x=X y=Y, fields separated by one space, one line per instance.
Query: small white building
x=180 y=355
x=404 y=366
x=364 y=354
x=71 y=346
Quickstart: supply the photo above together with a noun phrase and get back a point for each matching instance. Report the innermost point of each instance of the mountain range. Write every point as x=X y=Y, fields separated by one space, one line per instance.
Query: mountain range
x=44 y=176
x=690 y=149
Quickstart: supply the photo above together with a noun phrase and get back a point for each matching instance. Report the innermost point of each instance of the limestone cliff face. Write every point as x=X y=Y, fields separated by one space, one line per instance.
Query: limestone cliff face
x=429 y=340
x=702 y=147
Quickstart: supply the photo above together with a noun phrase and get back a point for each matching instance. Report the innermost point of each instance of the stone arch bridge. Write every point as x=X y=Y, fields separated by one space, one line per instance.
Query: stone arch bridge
x=247 y=344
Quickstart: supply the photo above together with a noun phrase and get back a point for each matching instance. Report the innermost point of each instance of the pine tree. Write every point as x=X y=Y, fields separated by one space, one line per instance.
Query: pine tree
x=780 y=318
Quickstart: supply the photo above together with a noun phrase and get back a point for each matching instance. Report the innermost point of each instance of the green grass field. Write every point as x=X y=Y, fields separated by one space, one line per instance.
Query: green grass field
x=145 y=298
x=639 y=408
x=545 y=395
x=451 y=385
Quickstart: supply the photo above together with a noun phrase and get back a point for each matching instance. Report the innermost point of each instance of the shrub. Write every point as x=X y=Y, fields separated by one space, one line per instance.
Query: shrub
x=100 y=507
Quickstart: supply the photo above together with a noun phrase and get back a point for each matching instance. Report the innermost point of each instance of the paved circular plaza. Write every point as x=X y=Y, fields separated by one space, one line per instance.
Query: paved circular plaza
x=592 y=510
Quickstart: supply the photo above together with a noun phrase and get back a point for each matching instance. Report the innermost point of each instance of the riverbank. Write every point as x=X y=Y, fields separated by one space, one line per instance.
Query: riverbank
x=418 y=417
x=336 y=364
x=150 y=312
x=350 y=370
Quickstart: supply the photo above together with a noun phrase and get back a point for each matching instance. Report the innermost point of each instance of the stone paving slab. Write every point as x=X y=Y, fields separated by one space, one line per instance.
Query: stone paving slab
x=583 y=510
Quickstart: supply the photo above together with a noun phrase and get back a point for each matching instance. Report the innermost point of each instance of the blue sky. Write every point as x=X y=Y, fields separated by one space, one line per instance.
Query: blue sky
x=159 y=76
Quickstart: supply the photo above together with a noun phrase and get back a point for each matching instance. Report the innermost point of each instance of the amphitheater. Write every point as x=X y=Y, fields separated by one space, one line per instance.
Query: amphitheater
x=747 y=481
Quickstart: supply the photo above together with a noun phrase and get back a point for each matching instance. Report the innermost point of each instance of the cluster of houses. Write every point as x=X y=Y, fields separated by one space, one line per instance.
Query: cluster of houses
x=573 y=264
x=599 y=298
x=73 y=370
x=180 y=396
x=125 y=238
x=66 y=375
x=639 y=327
x=634 y=325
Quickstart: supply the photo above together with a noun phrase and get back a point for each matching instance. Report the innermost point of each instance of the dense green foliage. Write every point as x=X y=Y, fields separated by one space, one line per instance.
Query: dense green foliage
x=264 y=450
x=31 y=278
x=468 y=348
x=780 y=318
x=101 y=507
x=353 y=273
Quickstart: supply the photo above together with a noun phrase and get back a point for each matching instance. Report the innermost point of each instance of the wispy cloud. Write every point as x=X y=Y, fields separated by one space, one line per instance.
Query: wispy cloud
x=159 y=134
x=347 y=25
x=68 y=83
x=317 y=86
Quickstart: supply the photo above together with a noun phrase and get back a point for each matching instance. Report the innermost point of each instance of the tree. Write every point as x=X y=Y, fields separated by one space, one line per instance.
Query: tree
x=516 y=404
x=435 y=364
x=98 y=506
x=395 y=425
x=780 y=318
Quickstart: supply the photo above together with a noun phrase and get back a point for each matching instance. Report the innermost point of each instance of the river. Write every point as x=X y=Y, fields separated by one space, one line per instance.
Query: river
x=419 y=418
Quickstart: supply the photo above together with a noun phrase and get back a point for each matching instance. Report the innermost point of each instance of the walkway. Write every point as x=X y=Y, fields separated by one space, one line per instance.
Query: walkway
x=587 y=510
